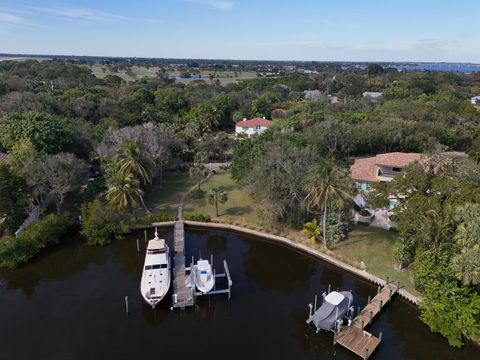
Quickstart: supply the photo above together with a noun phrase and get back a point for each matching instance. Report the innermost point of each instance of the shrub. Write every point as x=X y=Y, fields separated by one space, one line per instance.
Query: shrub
x=101 y=223
x=93 y=190
x=39 y=235
x=159 y=217
x=197 y=217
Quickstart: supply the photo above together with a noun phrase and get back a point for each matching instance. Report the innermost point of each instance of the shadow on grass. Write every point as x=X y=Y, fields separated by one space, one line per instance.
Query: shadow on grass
x=239 y=210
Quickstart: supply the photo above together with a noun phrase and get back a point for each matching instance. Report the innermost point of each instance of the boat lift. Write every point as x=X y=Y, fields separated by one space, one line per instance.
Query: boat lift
x=215 y=291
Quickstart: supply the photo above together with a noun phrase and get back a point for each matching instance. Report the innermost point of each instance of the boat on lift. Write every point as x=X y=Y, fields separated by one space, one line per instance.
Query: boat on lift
x=335 y=307
x=203 y=276
x=156 y=276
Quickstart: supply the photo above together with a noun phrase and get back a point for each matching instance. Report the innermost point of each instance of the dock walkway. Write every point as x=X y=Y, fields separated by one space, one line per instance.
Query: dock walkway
x=183 y=288
x=354 y=337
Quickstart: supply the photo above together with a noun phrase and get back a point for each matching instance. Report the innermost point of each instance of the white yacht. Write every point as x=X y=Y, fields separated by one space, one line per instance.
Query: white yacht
x=203 y=276
x=156 y=276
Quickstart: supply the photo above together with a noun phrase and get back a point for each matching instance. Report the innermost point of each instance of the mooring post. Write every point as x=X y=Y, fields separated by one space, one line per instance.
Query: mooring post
x=369 y=299
x=328 y=289
x=126 y=304
x=145 y=233
x=366 y=354
x=358 y=309
x=370 y=316
x=388 y=279
x=381 y=304
x=315 y=303
x=389 y=294
x=378 y=289
x=363 y=324
x=380 y=336
x=138 y=246
x=398 y=285
x=334 y=338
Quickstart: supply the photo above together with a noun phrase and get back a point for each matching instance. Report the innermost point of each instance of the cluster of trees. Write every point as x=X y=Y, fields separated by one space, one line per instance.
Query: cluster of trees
x=439 y=227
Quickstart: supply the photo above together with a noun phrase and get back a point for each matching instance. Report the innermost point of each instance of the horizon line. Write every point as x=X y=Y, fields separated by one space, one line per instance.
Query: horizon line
x=231 y=59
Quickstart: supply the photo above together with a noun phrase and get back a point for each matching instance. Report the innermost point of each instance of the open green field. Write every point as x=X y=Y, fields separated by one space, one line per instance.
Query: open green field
x=225 y=77
x=371 y=245
x=375 y=248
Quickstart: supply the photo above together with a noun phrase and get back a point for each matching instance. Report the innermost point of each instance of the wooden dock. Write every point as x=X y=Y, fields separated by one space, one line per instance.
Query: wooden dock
x=183 y=287
x=354 y=337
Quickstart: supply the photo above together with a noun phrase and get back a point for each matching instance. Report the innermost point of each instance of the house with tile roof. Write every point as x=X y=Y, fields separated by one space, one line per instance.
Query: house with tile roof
x=252 y=127
x=381 y=168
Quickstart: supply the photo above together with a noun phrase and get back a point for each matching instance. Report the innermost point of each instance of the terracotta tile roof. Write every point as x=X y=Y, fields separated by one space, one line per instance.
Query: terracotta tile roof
x=3 y=157
x=397 y=159
x=253 y=122
x=364 y=170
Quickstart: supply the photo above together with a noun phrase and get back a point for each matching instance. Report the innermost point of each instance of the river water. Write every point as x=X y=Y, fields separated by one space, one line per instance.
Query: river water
x=69 y=304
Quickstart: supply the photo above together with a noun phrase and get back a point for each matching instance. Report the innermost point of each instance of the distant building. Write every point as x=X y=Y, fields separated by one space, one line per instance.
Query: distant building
x=372 y=94
x=475 y=100
x=312 y=94
x=252 y=127
x=3 y=157
x=381 y=168
x=333 y=99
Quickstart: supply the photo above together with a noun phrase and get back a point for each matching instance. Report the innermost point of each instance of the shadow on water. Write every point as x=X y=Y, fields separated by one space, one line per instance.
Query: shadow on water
x=69 y=304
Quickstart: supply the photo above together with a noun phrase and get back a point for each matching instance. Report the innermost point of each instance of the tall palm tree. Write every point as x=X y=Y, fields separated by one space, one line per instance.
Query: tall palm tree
x=312 y=230
x=217 y=195
x=326 y=185
x=123 y=191
x=132 y=163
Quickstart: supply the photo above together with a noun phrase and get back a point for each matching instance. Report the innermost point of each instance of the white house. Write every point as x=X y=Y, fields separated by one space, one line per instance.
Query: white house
x=372 y=94
x=312 y=94
x=252 y=127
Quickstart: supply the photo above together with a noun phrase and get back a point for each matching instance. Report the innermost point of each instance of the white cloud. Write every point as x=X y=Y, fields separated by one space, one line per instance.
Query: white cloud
x=80 y=13
x=216 y=4
x=10 y=18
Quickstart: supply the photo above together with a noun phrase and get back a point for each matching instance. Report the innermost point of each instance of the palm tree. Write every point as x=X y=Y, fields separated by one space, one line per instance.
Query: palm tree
x=132 y=163
x=312 y=230
x=326 y=186
x=217 y=195
x=123 y=191
x=466 y=266
x=198 y=172
x=436 y=228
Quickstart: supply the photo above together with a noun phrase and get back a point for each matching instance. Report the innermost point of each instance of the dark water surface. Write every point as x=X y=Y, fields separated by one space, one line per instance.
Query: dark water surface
x=69 y=304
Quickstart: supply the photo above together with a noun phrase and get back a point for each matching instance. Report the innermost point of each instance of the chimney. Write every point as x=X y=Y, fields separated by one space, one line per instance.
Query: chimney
x=263 y=117
x=244 y=119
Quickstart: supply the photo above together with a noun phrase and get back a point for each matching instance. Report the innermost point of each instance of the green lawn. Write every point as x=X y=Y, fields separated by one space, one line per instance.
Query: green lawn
x=239 y=207
x=170 y=193
x=225 y=77
x=375 y=248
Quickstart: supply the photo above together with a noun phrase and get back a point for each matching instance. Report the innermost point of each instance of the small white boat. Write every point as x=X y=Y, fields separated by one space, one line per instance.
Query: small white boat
x=156 y=277
x=203 y=276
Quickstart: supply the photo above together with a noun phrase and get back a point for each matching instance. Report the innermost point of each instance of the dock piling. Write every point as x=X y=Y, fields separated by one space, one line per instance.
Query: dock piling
x=145 y=234
x=126 y=304
x=138 y=246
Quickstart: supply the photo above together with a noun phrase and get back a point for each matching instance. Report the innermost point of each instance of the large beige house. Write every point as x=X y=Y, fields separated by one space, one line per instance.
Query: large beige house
x=382 y=167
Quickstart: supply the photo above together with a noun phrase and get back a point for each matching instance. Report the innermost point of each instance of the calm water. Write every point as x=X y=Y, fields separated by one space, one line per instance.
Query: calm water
x=69 y=304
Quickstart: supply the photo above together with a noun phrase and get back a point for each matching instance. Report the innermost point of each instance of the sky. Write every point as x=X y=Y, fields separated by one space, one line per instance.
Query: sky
x=317 y=30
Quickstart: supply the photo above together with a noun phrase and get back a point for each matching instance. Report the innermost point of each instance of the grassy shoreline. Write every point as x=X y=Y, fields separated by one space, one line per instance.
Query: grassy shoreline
x=372 y=246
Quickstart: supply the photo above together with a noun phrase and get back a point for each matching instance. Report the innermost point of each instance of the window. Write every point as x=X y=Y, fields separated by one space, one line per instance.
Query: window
x=397 y=169
x=245 y=128
x=257 y=127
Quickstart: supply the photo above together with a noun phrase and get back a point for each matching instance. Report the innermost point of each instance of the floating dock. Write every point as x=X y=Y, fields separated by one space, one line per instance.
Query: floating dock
x=354 y=337
x=184 y=293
